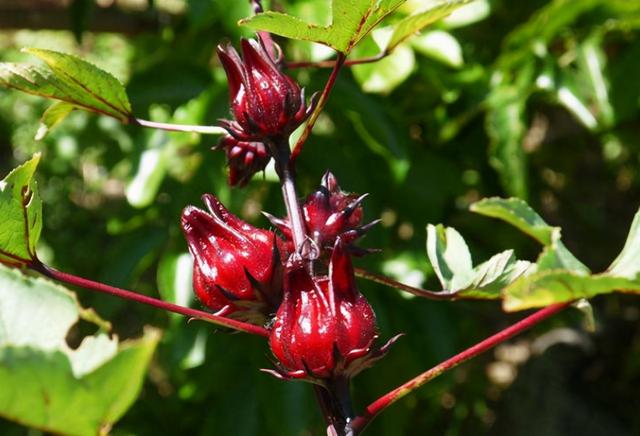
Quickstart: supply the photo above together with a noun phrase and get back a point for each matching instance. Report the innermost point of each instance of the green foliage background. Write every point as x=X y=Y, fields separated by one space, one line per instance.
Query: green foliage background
x=544 y=104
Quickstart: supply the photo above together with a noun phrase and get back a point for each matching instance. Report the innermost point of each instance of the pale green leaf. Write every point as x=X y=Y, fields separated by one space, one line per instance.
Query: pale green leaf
x=441 y=46
x=418 y=21
x=45 y=382
x=451 y=261
x=71 y=80
x=54 y=114
x=386 y=74
x=627 y=264
x=20 y=214
x=351 y=21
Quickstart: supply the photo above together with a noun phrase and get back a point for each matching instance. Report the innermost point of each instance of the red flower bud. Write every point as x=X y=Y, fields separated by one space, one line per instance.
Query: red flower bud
x=324 y=326
x=244 y=159
x=330 y=213
x=236 y=266
x=265 y=102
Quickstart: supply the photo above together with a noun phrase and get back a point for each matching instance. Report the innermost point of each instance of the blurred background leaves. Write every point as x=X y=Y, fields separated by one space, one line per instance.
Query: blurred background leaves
x=539 y=100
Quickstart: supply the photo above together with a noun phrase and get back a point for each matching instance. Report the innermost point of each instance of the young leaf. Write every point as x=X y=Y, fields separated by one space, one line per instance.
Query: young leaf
x=520 y=215
x=54 y=114
x=451 y=261
x=351 y=21
x=43 y=380
x=418 y=21
x=71 y=80
x=21 y=214
x=627 y=264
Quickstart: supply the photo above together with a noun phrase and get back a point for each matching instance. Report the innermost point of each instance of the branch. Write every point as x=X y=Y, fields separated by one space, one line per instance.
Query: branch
x=139 y=298
x=332 y=63
x=387 y=281
x=360 y=422
x=205 y=130
x=318 y=109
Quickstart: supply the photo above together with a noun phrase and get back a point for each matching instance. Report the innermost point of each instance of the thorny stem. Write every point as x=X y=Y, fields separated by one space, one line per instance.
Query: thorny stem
x=360 y=422
x=387 y=281
x=318 y=109
x=159 y=304
x=205 y=130
x=332 y=63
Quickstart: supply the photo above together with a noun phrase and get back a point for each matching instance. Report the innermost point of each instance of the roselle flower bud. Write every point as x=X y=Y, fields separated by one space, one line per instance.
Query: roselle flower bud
x=265 y=102
x=244 y=159
x=324 y=327
x=330 y=213
x=236 y=266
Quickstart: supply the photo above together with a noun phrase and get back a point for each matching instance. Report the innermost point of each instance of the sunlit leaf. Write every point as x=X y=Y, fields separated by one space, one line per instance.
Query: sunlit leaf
x=556 y=286
x=20 y=214
x=418 y=21
x=55 y=114
x=451 y=261
x=71 y=80
x=351 y=21
x=48 y=385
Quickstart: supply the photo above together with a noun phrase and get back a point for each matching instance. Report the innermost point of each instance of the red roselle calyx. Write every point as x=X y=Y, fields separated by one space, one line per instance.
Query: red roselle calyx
x=324 y=327
x=237 y=269
x=244 y=159
x=330 y=213
x=266 y=103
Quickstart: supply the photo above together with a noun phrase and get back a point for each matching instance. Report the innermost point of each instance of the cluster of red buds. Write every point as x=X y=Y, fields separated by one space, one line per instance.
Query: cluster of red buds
x=267 y=106
x=321 y=327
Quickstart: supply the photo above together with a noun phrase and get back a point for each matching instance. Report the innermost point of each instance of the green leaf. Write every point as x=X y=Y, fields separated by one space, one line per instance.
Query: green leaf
x=71 y=80
x=386 y=74
x=451 y=261
x=20 y=214
x=351 y=21
x=556 y=286
x=48 y=385
x=505 y=125
x=627 y=264
x=520 y=215
x=416 y=22
x=441 y=46
x=54 y=114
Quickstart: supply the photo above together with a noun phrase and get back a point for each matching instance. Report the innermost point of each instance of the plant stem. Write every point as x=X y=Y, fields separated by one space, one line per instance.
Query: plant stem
x=159 y=304
x=387 y=281
x=282 y=158
x=332 y=63
x=205 y=130
x=360 y=422
x=318 y=109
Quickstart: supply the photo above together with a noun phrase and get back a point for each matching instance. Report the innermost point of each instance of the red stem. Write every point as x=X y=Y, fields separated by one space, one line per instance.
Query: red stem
x=360 y=422
x=318 y=109
x=419 y=292
x=332 y=63
x=139 y=298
